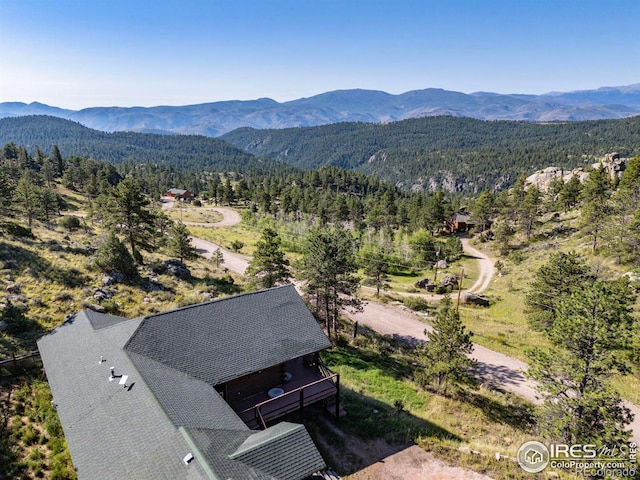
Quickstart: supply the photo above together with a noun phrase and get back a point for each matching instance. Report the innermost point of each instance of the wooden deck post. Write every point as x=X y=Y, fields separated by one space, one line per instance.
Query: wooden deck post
x=338 y=398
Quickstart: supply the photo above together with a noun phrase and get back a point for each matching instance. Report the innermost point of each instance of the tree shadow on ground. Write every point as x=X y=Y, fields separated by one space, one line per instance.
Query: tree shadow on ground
x=512 y=411
x=370 y=431
x=24 y=258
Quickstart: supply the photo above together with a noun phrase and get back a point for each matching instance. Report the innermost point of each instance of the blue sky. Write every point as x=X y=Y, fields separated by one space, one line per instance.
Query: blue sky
x=82 y=53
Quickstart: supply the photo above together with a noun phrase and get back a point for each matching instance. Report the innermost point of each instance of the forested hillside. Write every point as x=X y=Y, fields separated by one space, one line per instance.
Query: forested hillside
x=183 y=151
x=456 y=154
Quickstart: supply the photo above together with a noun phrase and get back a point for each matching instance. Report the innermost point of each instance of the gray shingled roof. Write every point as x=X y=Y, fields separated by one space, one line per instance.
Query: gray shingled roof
x=113 y=433
x=219 y=341
x=145 y=431
x=283 y=452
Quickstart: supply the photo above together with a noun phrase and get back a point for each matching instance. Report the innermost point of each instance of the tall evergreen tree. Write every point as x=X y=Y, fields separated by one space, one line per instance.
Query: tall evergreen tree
x=596 y=211
x=590 y=334
x=563 y=274
x=328 y=269
x=27 y=194
x=127 y=212
x=446 y=353
x=180 y=243
x=269 y=267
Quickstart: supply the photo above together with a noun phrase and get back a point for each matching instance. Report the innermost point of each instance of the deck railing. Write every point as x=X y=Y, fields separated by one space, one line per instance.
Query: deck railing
x=333 y=378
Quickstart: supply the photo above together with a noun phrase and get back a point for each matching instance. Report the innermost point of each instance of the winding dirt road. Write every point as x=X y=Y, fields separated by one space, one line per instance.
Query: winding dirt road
x=496 y=370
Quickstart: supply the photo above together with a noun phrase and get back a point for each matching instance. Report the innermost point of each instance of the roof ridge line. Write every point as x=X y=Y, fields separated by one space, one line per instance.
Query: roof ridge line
x=244 y=294
x=196 y=305
x=293 y=428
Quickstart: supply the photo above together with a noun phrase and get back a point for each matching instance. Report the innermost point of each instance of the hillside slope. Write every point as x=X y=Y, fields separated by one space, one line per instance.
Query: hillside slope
x=187 y=151
x=455 y=154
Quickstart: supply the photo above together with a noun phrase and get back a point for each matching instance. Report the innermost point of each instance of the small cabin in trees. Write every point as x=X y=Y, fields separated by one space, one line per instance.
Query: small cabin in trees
x=459 y=222
x=463 y=222
x=192 y=393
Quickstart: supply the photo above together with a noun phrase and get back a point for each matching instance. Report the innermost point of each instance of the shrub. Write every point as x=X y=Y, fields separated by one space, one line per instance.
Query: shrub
x=417 y=304
x=112 y=256
x=69 y=222
x=237 y=245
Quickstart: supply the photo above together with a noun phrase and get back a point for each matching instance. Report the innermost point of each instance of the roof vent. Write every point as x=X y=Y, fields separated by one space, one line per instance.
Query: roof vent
x=102 y=360
x=188 y=458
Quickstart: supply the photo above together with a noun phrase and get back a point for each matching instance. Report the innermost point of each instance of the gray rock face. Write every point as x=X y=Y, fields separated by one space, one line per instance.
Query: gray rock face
x=612 y=164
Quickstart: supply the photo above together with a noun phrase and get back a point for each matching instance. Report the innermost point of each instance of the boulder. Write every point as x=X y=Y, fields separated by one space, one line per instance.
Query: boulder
x=177 y=269
x=425 y=284
x=612 y=164
x=15 y=288
x=449 y=281
x=469 y=298
x=113 y=278
x=103 y=294
x=96 y=308
x=440 y=264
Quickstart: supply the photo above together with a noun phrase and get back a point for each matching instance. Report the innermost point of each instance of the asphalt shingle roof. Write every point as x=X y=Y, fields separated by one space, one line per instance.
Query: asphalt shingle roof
x=283 y=452
x=144 y=431
x=219 y=341
x=112 y=432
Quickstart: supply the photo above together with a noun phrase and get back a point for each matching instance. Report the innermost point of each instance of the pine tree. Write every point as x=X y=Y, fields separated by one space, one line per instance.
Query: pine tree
x=180 y=243
x=112 y=257
x=590 y=334
x=269 y=267
x=27 y=194
x=127 y=212
x=328 y=269
x=218 y=257
x=446 y=353
x=563 y=274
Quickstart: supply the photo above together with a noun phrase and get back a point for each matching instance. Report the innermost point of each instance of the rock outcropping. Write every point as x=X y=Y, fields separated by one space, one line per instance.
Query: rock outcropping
x=612 y=164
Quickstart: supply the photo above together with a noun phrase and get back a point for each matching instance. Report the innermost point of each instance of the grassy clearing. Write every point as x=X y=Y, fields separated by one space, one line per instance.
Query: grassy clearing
x=195 y=214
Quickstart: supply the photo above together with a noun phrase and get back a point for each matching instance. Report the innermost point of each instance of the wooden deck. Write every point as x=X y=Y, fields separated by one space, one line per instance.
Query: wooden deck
x=308 y=385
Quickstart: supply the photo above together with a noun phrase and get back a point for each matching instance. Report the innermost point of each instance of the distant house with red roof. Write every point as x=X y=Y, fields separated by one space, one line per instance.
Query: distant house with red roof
x=178 y=194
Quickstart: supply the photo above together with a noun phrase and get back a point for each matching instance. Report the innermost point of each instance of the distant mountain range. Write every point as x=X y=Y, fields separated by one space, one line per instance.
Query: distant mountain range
x=215 y=119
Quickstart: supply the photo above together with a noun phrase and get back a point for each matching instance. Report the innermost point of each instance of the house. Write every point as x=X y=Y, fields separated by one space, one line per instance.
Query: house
x=192 y=393
x=459 y=222
x=179 y=194
x=463 y=222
